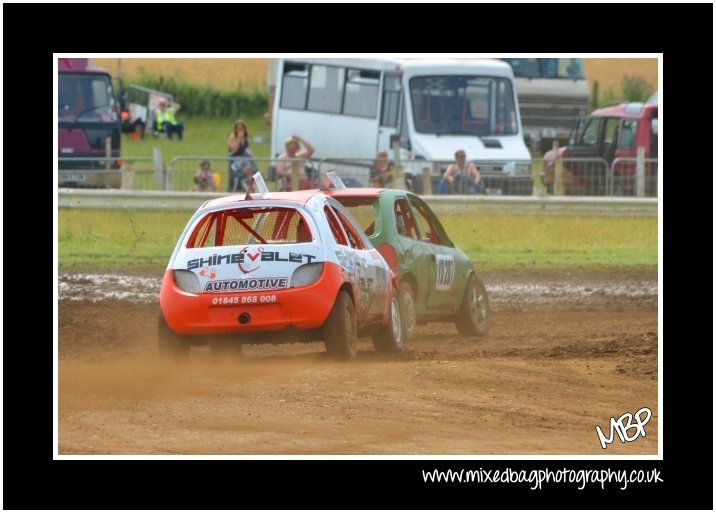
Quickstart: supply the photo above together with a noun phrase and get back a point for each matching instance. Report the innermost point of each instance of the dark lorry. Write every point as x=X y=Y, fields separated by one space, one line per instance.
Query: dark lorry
x=88 y=126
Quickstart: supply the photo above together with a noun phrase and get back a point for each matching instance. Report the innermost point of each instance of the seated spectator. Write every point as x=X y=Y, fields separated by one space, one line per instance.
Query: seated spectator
x=134 y=127
x=165 y=119
x=461 y=177
x=204 y=178
x=379 y=170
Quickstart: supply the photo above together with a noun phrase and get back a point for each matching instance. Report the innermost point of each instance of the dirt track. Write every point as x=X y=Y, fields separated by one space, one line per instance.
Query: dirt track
x=565 y=354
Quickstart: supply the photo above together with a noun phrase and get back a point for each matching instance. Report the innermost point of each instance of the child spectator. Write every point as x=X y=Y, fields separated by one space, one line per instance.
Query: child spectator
x=204 y=178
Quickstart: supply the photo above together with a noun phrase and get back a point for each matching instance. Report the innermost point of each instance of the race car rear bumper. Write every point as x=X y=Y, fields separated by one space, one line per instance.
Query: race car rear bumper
x=302 y=308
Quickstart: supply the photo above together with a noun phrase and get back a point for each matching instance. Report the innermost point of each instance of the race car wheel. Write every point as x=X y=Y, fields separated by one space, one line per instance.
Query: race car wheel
x=171 y=346
x=340 y=331
x=389 y=339
x=474 y=315
x=407 y=310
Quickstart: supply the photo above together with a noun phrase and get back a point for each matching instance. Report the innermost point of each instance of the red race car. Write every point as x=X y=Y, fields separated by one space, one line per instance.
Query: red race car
x=277 y=267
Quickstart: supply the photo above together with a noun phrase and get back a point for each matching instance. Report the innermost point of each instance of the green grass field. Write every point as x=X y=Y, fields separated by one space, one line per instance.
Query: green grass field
x=123 y=239
x=203 y=137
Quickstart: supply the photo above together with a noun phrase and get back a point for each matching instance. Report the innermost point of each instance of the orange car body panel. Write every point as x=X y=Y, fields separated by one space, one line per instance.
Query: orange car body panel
x=301 y=307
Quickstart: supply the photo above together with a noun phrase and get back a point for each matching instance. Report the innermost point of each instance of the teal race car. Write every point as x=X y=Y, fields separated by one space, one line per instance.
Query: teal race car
x=437 y=281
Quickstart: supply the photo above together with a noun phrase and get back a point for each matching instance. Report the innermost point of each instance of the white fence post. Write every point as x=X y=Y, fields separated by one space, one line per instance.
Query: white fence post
x=127 y=175
x=558 y=188
x=640 y=171
x=427 y=181
x=159 y=181
x=399 y=172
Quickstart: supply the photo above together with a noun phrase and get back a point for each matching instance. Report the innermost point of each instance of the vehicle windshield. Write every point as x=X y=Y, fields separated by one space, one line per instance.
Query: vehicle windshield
x=86 y=96
x=463 y=105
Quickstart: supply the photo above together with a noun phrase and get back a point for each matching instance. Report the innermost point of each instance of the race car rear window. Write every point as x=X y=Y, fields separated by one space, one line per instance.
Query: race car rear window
x=246 y=226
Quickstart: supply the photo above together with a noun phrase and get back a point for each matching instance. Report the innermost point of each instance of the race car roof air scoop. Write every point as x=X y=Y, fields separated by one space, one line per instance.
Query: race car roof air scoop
x=258 y=180
x=334 y=180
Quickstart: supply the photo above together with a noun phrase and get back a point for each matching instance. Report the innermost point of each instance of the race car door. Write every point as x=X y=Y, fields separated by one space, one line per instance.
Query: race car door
x=442 y=287
x=367 y=269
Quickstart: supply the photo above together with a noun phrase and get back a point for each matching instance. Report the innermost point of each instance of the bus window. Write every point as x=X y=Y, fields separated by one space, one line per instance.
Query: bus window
x=391 y=101
x=506 y=116
x=547 y=68
x=570 y=68
x=361 y=93
x=326 y=89
x=295 y=80
x=528 y=68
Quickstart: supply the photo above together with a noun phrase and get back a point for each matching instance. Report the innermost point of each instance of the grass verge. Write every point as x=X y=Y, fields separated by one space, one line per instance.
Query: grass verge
x=123 y=239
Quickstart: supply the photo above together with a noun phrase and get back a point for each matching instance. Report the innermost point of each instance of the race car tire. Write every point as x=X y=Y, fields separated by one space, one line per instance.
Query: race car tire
x=340 y=331
x=171 y=346
x=474 y=316
x=389 y=338
x=407 y=310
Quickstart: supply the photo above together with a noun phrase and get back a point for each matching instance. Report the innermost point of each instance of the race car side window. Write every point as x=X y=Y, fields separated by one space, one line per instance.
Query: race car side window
x=204 y=234
x=404 y=222
x=338 y=233
x=429 y=229
x=353 y=237
x=303 y=232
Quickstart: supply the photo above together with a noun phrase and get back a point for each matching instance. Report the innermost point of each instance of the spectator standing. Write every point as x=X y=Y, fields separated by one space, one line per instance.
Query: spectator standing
x=284 y=162
x=240 y=156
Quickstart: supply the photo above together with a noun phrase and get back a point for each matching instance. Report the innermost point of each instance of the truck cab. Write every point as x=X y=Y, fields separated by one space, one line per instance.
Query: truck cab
x=602 y=150
x=88 y=126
